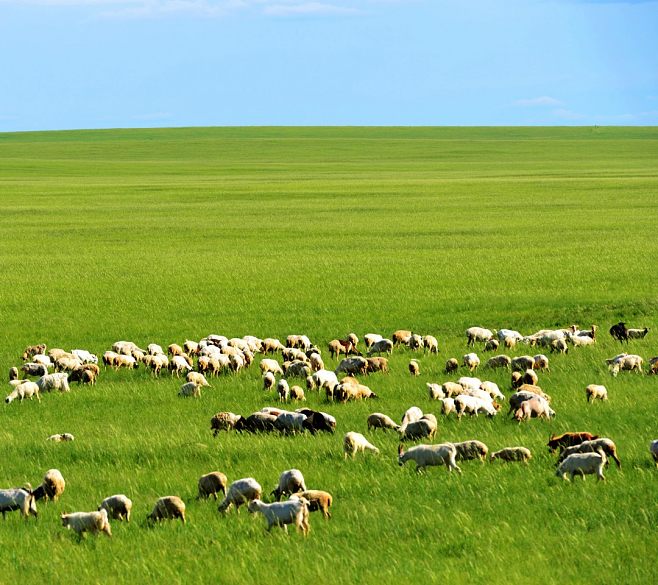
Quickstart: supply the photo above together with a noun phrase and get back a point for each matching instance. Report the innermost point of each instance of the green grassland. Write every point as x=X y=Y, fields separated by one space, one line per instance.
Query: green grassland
x=166 y=235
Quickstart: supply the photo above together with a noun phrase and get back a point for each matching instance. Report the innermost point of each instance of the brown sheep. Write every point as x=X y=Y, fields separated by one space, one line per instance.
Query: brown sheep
x=318 y=500
x=211 y=483
x=452 y=365
x=168 y=507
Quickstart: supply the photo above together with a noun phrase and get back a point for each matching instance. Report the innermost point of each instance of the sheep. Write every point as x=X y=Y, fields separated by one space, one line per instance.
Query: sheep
x=270 y=345
x=355 y=442
x=474 y=334
x=61 y=438
x=477 y=393
x=210 y=484
x=175 y=349
x=32 y=350
x=582 y=464
x=473 y=449
x=292 y=511
x=431 y=344
x=534 y=389
x=452 y=365
x=412 y=414
x=414 y=368
x=270 y=365
x=256 y=422
x=518 y=398
x=25 y=389
x=522 y=363
x=190 y=389
x=18 y=499
x=492 y=389
x=125 y=347
x=291 y=422
x=530 y=377
x=315 y=361
x=301 y=341
x=13 y=373
x=491 y=345
x=371 y=338
x=447 y=406
x=81 y=522
x=603 y=444
x=223 y=421
x=338 y=346
x=619 y=332
x=559 y=346
x=509 y=342
x=352 y=391
x=653 y=449
x=297 y=393
x=85 y=356
x=568 y=439
x=268 y=381
x=159 y=361
x=427 y=455
x=401 y=336
x=582 y=340
x=512 y=454
x=125 y=361
x=178 y=364
x=353 y=365
x=594 y=391
x=197 y=378
x=452 y=389
x=118 y=507
x=415 y=341
x=503 y=334
x=298 y=369
x=291 y=481
x=191 y=347
x=167 y=507
x=425 y=427
x=290 y=354
x=653 y=365
x=52 y=487
x=109 y=357
x=536 y=407
x=435 y=391
x=377 y=364
x=517 y=380
x=154 y=349
x=471 y=361
x=34 y=369
x=241 y=491
x=469 y=382
x=381 y=346
x=317 y=500
x=541 y=363
x=324 y=379
x=83 y=375
x=627 y=362
x=377 y=420
x=283 y=390
x=473 y=405
x=637 y=333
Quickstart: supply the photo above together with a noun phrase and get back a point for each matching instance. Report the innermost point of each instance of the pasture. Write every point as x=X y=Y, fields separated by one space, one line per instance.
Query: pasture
x=166 y=235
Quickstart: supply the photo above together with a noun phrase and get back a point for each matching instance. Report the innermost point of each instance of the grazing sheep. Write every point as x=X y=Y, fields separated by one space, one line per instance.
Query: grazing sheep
x=315 y=360
x=197 y=378
x=492 y=389
x=299 y=341
x=511 y=334
x=25 y=389
x=425 y=427
x=412 y=414
x=415 y=341
x=81 y=522
x=522 y=363
x=582 y=464
x=559 y=345
x=283 y=390
x=628 y=362
x=257 y=422
x=452 y=365
x=291 y=481
x=83 y=375
x=52 y=486
x=471 y=361
x=355 y=442
x=401 y=336
x=223 y=421
x=568 y=439
x=32 y=350
x=414 y=368
x=653 y=449
x=541 y=363
x=534 y=389
x=594 y=391
x=210 y=484
x=435 y=391
x=175 y=349
x=377 y=364
x=191 y=347
x=268 y=381
x=178 y=364
x=291 y=422
x=118 y=507
x=637 y=333
x=296 y=369
x=469 y=382
x=473 y=405
x=270 y=345
x=317 y=500
x=352 y=391
x=61 y=438
x=619 y=331
x=603 y=444
x=431 y=344
x=18 y=499
x=297 y=393
x=517 y=380
x=125 y=361
x=240 y=492
x=448 y=406
x=352 y=366
x=491 y=345
x=377 y=420
x=34 y=369
x=452 y=389
x=653 y=365
x=13 y=373
x=269 y=365
x=154 y=349
x=530 y=377
x=536 y=407
x=292 y=511
x=167 y=507
x=371 y=338
x=473 y=449
x=474 y=334
x=381 y=346
x=190 y=389
x=85 y=356
x=582 y=340
x=512 y=454
x=427 y=455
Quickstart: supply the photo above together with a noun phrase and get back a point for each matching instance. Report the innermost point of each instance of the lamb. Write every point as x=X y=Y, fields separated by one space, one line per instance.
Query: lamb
x=292 y=511
x=427 y=455
x=653 y=449
x=18 y=499
x=26 y=389
x=377 y=420
x=471 y=361
x=425 y=427
x=381 y=346
x=61 y=438
x=290 y=482
x=512 y=454
x=473 y=449
x=52 y=486
x=637 y=333
x=210 y=484
x=414 y=368
x=582 y=464
x=452 y=365
x=270 y=365
x=355 y=442
x=431 y=344
x=474 y=334
x=283 y=390
x=594 y=391
x=223 y=421
x=118 y=507
x=605 y=445
x=190 y=389
x=499 y=361
x=82 y=522
x=241 y=492
x=197 y=378
x=167 y=507
x=317 y=500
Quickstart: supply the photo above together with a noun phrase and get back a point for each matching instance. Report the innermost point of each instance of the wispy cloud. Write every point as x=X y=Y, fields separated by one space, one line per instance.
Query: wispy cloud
x=543 y=100
x=307 y=8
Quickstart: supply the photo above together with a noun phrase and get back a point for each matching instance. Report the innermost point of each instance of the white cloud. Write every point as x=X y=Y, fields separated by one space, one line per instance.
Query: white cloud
x=307 y=8
x=543 y=100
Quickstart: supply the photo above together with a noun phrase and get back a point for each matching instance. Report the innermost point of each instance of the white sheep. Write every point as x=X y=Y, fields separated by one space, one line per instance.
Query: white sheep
x=292 y=511
x=424 y=427
x=371 y=338
x=290 y=422
x=211 y=483
x=435 y=391
x=52 y=487
x=431 y=344
x=61 y=438
x=18 y=499
x=377 y=420
x=84 y=356
x=473 y=405
x=474 y=334
x=428 y=455
x=26 y=389
x=178 y=364
x=582 y=464
x=58 y=381
x=82 y=522
x=197 y=378
x=270 y=365
x=447 y=405
x=473 y=449
x=381 y=346
x=241 y=491
x=291 y=481
x=594 y=391
x=471 y=361
x=118 y=507
x=355 y=442
x=283 y=390
x=414 y=368
x=493 y=389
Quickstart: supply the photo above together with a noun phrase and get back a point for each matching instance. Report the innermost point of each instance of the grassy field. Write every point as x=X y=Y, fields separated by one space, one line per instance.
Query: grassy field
x=166 y=235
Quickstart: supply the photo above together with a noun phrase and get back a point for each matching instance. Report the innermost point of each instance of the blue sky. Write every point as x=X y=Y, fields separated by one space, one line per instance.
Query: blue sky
x=151 y=63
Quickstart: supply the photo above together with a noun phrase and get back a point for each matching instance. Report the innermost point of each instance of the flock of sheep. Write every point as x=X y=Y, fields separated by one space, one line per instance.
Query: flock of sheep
x=579 y=453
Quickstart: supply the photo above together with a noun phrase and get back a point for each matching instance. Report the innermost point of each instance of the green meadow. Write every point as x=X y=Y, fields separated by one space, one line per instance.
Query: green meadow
x=166 y=235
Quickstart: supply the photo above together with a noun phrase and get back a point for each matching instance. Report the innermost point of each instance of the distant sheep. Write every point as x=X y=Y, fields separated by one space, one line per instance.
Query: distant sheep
x=356 y=442
x=210 y=484
x=381 y=346
x=596 y=391
x=377 y=420
x=118 y=507
x=268 y=381
x=401 y=337
x=291 y=481
x=603 y=444
x=448 y=406
x=81 y=522
x=352 y=366
x=414 y=368
x=491 y=345
x=429 y=455
x=223 y=421
x=190 y=389
x=241 y=492
x=452 y=365
x=377 y=364
x=522 y=363
x=637 y=333
x=471 y=361
x=61 y=438
x=541 y=363
x=512 y=454
x=52 y=487
x=473 y=449
x=168 y=507
x=431 y=344
x=435 y=391
x=474 y=334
